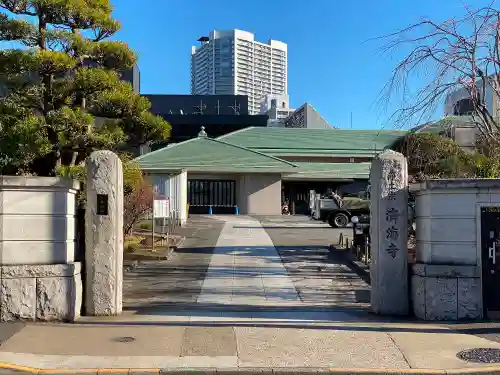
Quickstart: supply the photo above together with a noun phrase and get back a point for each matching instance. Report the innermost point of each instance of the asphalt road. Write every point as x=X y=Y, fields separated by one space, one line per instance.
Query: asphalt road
x=301 y=230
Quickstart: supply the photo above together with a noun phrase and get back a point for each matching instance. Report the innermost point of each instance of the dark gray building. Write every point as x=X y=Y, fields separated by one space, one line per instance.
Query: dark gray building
x=133 y=76
x=305 y=117
x=214 y=105
x=218 y=114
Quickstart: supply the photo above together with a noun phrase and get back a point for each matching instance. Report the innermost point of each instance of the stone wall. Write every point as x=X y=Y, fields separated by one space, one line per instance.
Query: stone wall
x=38 y=274
x=446 y=281
x=41 y=292
x=446 y=292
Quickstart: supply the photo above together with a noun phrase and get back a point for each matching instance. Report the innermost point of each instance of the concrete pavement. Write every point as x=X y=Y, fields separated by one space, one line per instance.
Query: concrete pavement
x=243 y=296
x=334 y=345
x=239 y=268
x=246 y=269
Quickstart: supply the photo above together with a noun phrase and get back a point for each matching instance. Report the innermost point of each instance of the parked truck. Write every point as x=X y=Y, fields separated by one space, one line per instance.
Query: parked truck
x=337 y=211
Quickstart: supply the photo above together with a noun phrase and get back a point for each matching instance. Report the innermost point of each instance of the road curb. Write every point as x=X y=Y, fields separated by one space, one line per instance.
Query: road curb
x=7 y=368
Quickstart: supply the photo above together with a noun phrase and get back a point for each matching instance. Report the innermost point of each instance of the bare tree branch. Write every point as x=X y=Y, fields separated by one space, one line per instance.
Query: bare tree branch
x=457 y=54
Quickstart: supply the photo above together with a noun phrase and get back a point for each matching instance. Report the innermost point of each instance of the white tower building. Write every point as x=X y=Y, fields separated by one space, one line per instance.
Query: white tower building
x=234 y=63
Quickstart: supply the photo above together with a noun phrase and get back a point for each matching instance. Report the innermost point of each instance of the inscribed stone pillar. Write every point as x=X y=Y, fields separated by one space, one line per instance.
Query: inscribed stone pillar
x=389 y=238
x=104 y=234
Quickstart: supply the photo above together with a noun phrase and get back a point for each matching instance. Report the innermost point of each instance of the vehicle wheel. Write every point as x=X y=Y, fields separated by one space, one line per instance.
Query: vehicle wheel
x=339 y=220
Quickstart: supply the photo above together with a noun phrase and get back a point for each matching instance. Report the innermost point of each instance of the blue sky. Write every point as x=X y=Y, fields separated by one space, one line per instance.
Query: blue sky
x=331 y=63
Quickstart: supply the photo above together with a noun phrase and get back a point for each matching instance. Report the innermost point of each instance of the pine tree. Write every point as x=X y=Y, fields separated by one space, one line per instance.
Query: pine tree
x=62 y=96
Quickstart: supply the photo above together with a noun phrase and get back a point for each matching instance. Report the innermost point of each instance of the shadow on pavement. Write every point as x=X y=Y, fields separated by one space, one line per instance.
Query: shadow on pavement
x=9 y=329
x=322 y=279
x=319 y=276
x=358 y=322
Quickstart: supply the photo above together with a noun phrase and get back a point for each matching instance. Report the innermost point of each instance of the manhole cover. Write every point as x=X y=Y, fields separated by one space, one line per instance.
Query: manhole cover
x=124 y=339
x=480 y=355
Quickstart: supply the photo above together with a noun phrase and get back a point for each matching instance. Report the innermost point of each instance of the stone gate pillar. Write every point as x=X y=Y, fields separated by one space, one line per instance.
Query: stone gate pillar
x=389 y=238
x=104 y=234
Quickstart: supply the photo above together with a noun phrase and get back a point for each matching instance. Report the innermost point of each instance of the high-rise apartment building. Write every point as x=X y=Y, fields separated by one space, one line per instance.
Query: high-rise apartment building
x=234 y=63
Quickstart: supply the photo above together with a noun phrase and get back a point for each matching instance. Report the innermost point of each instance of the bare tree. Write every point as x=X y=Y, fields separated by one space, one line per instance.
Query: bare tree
x=457 y=54
x=137 y=204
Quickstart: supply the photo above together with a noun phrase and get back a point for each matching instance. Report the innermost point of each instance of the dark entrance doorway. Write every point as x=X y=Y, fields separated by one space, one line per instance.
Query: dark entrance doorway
x=220 y=195
x=490 y=254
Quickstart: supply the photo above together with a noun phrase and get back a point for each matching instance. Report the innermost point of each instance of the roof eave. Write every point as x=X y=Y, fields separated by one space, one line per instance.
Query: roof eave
x=198 y=169
x=317 y=178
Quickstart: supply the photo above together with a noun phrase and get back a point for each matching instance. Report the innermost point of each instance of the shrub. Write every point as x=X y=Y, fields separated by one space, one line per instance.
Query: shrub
x=137 y=204
x=433 y=156
x=132 y=247
x=148 y=226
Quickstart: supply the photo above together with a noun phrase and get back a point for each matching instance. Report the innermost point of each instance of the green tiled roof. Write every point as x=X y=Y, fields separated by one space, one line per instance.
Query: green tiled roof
x=320 y=142
x=204 y=154
x=329 y=171
x=444 y=124
x=278 y=152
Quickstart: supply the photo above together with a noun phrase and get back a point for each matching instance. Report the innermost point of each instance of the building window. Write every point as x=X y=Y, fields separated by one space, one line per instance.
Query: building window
x=463 y=107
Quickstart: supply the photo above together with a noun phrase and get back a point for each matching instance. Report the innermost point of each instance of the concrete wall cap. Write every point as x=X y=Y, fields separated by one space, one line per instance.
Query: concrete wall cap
x=40 y=270
x=23 y=182
x=462 y=183
x=446 y=271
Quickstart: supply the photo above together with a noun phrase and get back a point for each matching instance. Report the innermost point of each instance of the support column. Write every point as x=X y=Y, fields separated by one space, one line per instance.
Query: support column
x=104 y=234
x=183 y=197
x=389 y=234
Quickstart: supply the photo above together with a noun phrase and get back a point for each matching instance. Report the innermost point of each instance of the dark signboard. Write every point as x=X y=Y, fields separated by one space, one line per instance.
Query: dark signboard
x=102 y=204
x=187 y=127
x=200 y=105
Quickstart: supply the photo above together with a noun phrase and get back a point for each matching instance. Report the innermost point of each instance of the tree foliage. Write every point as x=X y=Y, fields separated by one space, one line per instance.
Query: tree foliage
x=431 y=155
x=63 y=97
x=458 y=54
x=132 y=175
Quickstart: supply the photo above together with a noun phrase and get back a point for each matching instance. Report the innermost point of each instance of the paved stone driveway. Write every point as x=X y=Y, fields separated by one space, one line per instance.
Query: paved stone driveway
x=255 y=266
x=321 y=277
x=177 y=281
x=246 y=269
